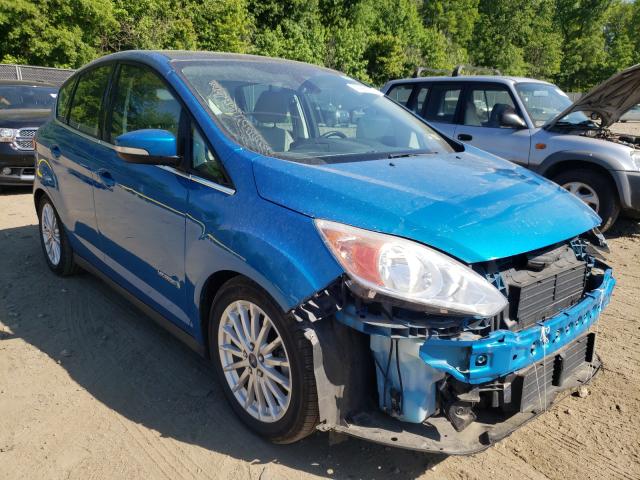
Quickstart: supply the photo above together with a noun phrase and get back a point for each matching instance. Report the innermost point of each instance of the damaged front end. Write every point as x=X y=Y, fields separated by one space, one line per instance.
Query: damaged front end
x=400 y=374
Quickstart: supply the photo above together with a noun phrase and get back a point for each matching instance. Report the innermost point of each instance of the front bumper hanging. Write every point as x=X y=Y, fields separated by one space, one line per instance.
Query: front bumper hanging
x=524 y=372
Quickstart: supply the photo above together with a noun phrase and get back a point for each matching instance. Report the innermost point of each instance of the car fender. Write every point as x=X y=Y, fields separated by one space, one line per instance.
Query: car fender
x=608 y=162
x=287 y=258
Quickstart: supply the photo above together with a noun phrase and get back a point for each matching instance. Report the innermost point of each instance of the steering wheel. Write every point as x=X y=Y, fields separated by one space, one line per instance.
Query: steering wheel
x=333 y=133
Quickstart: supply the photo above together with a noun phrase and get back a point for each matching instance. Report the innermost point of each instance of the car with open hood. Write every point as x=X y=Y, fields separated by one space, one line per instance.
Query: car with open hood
x=370 y=276
x=535 y=124
x=24 y=106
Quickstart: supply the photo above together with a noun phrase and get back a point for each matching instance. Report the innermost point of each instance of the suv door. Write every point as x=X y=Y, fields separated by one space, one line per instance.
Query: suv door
x=74 y=142
x=442 y=107
x=480 y=124
x=140 y=209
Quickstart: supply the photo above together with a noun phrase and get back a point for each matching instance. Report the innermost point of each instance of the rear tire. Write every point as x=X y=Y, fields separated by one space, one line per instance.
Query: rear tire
x=53 y=238
x=282 y=405
x=585 y=183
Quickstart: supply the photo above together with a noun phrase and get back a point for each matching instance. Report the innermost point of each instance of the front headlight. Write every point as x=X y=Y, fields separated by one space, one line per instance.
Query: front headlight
x=410 y=271
x=7 y=135
x=635 y=158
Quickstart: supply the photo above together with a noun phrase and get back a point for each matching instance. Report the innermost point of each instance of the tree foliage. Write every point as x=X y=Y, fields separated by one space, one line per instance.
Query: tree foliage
x=576 y=43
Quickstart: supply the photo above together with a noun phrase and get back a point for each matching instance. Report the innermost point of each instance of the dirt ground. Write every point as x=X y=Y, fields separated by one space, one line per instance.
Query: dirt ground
x=91 y=389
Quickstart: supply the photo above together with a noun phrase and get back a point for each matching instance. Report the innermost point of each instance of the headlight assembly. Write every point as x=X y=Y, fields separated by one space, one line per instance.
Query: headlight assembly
x=7 y=135
x=410 y=271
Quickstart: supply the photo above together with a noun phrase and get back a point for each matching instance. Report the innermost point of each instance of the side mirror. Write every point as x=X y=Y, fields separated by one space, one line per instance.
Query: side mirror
x=512 y=120
x=148 y=147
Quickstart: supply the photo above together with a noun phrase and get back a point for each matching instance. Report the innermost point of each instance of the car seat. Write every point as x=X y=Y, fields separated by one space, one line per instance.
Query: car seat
x=270 y=108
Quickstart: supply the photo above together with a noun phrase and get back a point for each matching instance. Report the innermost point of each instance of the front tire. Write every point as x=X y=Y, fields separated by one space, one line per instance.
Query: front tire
x=264 y=363
x=53 y=238
x=596 y=190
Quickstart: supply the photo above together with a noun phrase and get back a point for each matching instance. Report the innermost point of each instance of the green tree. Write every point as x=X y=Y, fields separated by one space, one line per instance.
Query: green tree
x=455 y=20
x=289 y=29
x=619 y=32
x=581 y=23
x=152 y=24
x=518 y=37
x=65 y=33
x=222 y=25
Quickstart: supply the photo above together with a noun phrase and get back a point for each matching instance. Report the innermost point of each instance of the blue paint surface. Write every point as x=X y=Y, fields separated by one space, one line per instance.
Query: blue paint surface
x=471 y=205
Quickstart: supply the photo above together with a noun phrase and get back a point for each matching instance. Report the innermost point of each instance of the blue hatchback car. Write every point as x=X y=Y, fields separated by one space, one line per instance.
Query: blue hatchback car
x=369 y=277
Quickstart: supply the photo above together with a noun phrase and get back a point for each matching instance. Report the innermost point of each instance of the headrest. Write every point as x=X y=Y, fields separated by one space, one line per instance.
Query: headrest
x=272 y=106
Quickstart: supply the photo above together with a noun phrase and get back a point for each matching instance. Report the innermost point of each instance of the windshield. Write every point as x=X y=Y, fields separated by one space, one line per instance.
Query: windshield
x=305 y=113
x=28 y=97
x=544 y=102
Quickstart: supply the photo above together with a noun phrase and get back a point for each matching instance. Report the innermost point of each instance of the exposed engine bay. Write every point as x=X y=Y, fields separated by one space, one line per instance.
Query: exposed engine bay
x=389 y=372
x=606 y=134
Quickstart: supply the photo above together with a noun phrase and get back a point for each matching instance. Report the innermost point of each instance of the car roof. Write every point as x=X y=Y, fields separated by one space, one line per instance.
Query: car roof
x=29 y=83
x=507 y=80
x=166 y=57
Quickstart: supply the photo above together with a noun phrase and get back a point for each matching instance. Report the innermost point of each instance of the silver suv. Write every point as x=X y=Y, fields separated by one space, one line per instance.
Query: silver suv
x=535 y=124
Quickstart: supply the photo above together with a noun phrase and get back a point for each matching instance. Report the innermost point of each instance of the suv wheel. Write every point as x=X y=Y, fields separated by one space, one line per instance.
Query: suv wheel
x=264 y=362
x=595 y=190
x=54 y=241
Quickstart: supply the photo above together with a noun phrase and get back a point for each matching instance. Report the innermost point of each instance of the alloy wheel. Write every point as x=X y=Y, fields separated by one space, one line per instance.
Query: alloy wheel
x=585 y=193
x=51 y=234
x=254 y=361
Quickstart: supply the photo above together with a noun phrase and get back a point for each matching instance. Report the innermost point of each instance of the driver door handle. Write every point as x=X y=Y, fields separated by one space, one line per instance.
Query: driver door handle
x=465 y=137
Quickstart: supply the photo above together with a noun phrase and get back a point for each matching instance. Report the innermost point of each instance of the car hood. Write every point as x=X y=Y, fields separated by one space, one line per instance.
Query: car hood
x=610 y=100
x=22 y=117
x=472 y=205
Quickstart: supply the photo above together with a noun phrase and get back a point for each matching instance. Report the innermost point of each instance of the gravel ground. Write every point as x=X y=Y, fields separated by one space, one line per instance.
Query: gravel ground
x=632 y=128
x=91 y=388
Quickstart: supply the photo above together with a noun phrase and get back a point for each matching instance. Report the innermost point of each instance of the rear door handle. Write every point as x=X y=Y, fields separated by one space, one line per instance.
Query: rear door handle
x=55 y=151
x=465 y=137
x=106 y=178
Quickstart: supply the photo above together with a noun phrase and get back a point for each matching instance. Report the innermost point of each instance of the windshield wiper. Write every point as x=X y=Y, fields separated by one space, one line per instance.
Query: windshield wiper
x=409 y=154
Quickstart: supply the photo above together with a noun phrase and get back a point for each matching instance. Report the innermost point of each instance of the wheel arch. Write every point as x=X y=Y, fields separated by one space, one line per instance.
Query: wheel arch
x=38 y=195
x=564 y=161
x=208 y=293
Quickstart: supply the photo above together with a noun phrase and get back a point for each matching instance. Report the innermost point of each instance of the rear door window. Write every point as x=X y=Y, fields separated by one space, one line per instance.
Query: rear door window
x=142 y=100
x=86 y=106
x=443 y=103
x=421 y=97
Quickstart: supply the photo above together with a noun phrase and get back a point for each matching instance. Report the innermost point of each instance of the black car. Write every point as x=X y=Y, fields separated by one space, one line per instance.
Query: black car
x=24 y=106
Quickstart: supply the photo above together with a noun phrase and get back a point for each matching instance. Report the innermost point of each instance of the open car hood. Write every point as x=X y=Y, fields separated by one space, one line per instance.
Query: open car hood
x=610 y=100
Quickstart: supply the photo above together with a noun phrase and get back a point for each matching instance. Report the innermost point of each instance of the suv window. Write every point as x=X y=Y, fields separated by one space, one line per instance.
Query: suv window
x=64 y=98
x=203 y=160
x=87 y=100
x=142 y=100
x=484 y=104
x=420 y=99
x=400 y=93
x=442 y=103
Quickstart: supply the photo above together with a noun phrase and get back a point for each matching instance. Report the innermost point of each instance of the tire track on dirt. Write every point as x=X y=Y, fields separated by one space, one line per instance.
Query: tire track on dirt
x=580 y=451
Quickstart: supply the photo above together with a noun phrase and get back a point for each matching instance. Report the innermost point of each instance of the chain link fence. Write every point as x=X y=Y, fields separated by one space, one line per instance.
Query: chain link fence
x=54 y=76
